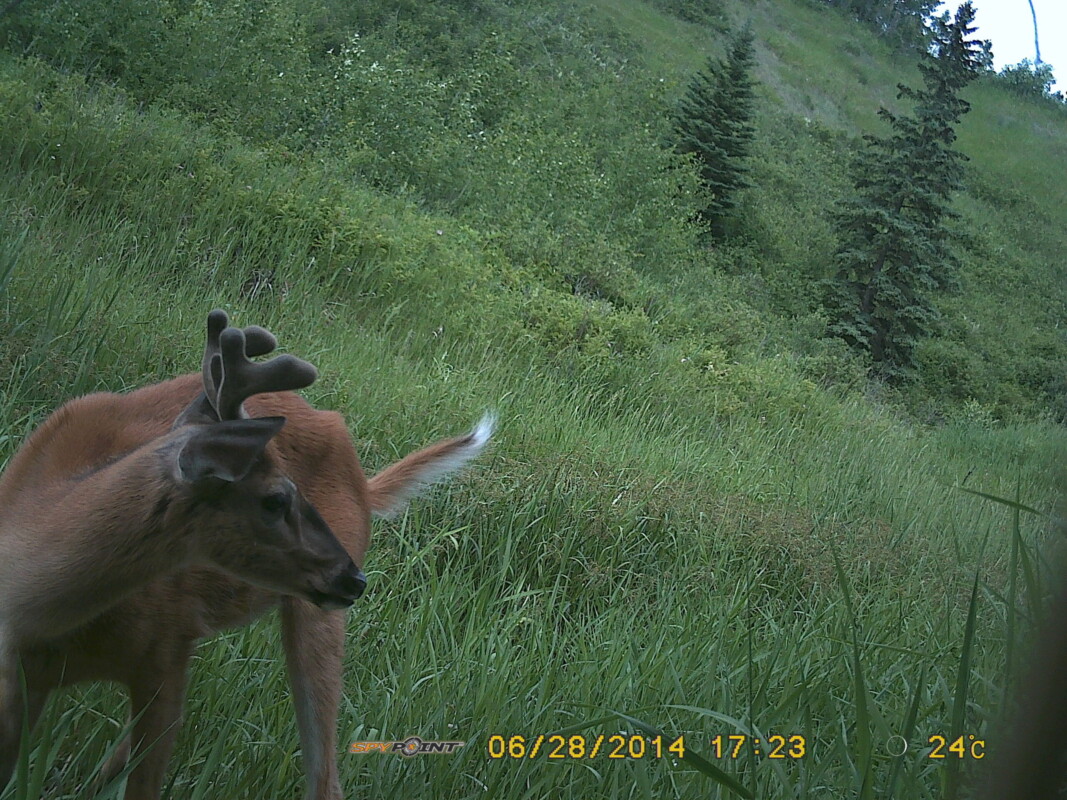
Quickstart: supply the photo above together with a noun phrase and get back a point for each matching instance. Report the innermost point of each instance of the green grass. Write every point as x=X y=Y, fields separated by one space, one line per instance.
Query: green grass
x=658 y=567
x=675 y=528
x=476 y=627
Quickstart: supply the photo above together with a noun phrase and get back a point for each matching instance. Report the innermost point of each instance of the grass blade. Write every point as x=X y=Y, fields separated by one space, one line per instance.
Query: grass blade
x=908 y=731
x=692 y=757
x=1002 y=500
x=863 y=716
x=959 y=699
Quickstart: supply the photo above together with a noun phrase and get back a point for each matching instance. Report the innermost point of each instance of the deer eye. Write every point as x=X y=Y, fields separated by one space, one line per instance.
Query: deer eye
x=275 y=504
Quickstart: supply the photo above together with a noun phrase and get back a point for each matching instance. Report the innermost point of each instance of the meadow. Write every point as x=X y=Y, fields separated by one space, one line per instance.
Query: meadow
x=698 y=515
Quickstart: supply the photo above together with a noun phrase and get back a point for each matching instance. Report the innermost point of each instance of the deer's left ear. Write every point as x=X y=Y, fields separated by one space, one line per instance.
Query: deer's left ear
x=226 y=450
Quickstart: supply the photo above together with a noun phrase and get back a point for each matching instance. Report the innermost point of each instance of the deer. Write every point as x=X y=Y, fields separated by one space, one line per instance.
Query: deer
x=133 y=526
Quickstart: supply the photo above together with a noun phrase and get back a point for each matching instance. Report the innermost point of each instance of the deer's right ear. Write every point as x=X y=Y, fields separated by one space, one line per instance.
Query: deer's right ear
x=226 y=450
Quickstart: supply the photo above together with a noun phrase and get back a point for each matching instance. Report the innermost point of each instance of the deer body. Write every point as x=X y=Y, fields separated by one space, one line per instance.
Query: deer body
x=108 y=573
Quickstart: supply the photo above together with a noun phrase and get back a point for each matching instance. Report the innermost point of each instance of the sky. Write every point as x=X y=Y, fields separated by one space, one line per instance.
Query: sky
x=1011 y=28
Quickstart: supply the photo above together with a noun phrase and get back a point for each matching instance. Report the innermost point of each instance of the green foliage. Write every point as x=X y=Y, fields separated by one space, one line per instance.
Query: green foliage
x=900 y=21
x=1027 y=79
x=576 y=325
x=713 y=122
x=894 y=248
x=706 y=12
x=480 y=114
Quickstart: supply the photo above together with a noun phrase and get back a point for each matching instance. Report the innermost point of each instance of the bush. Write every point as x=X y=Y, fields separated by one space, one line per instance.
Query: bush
x=1027 y=79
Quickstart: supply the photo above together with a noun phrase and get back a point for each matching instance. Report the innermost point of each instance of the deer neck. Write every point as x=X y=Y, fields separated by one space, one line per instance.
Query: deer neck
x=76 y=547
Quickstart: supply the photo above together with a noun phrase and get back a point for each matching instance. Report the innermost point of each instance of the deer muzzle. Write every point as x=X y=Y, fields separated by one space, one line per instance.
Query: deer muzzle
x=344 y=588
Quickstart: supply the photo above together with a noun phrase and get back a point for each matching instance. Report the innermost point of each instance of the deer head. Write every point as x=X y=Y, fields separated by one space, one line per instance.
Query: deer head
x=240 y=511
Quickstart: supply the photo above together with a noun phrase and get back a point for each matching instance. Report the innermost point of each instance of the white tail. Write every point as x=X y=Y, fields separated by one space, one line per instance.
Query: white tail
x=394 y=486
x=132 y=526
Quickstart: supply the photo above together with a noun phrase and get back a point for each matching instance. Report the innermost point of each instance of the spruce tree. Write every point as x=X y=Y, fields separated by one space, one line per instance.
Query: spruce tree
x=894 y=250
x=714 y=122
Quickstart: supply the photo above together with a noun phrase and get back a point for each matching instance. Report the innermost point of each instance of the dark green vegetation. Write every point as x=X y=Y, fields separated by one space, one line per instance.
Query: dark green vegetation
x=895 y=250
x=449 y=206
x=713 y=122
x=1029 y=80
x=899 y=21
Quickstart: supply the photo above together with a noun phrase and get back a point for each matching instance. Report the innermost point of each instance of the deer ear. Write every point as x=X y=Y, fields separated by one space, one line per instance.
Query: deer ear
x=226 y=450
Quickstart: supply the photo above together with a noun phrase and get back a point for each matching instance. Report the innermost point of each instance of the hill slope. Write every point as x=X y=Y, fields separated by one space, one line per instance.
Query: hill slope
x=546 y=126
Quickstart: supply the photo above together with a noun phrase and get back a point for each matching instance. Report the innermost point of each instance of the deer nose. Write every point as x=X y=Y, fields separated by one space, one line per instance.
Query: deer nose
x=350 y=583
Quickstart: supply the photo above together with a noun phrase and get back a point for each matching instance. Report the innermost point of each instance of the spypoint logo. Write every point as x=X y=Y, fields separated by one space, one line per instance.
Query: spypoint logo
x=412 y=746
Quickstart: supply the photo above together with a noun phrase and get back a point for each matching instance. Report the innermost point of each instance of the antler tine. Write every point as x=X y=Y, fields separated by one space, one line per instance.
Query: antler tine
x=237 y=378
x=228 y=376
x=258 y=342
x=217 y=321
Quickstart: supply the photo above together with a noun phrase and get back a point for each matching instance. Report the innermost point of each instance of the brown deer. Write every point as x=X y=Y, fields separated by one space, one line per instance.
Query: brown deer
x=132 y=526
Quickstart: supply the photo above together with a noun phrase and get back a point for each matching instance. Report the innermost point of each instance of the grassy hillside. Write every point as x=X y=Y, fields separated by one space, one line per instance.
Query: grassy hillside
x=464 y=206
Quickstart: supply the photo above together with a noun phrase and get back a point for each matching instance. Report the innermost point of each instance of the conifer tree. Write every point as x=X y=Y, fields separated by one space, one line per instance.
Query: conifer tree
x=894 y=250
x=714 y=122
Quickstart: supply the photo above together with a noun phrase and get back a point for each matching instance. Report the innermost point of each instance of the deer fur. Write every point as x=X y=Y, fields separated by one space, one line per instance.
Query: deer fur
x=103 y=576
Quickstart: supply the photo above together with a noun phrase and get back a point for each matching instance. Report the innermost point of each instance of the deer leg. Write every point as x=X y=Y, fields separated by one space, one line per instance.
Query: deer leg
x=11 y=710
x=114 y=765
x=314 y=646
x=14 y=709
x=157 y=693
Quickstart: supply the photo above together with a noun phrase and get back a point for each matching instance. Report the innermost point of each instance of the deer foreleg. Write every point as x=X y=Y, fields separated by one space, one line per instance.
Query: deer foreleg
x=314 y=646
x=16 y=708
x=157 y=694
